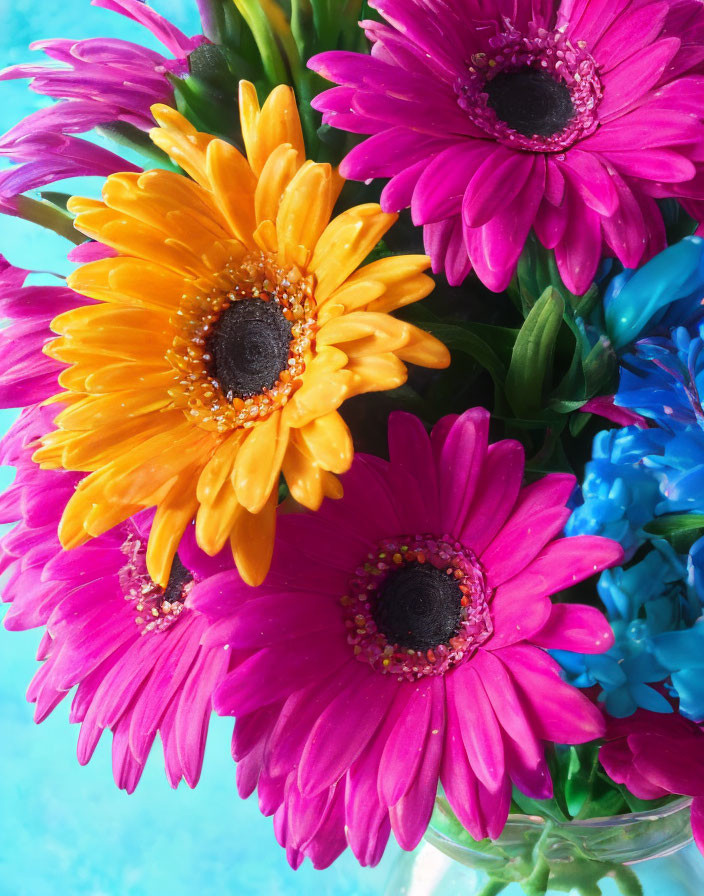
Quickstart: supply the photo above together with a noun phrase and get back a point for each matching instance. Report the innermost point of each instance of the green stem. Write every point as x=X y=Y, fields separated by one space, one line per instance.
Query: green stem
x=493 y=888
x=627 y=881
x=49 y=217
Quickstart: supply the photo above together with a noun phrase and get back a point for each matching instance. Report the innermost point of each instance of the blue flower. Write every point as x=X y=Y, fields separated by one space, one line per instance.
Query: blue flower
x=655 y=604
x=664 y=293
x=663 y=379
x=620 y=493
x=655 y=613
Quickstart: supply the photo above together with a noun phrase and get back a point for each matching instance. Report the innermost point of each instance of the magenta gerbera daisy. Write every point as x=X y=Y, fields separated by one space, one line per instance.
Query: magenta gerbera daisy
x=657 y=755
x=495 y=117
x=27 y=375
x=399 y=641
x=130 y=648
x=100 y=82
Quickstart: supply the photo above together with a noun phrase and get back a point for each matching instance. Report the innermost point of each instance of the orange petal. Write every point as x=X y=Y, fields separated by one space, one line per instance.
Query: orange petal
x=233 y=184
x=365 y=332
x=219 y=468
x=277 y=122
x=344 y=245
x=170 y=521
x=216 y=520
x=378 y=373
x=303 y=476
x=253 y=542
x=319 y=395
x=181 y=142
x=279 y=170
x=425 y=350
x=329 y=442
x=258 y=463
x=129 y=281
x=304 y=210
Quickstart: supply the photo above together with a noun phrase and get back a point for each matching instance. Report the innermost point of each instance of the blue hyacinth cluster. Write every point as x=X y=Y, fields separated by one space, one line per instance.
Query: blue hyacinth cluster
x=644 y=487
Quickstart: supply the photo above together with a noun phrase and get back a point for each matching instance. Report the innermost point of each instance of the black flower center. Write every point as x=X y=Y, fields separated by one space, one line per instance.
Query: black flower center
x=179 y=577
x=249 y=347
x=418 y=607
x=530 y=102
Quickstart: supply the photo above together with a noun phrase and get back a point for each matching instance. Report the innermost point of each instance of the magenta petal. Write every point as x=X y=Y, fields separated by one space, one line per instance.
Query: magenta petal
x=494 y=248
x=499 y=485
x=409 y=448
x=534 y=782
x=557 y=711
x=411 y=815
x=697 y=818
x=367 y=819
x=628 y=82
x=517 y=614
x=343 y=731
x=575 y=627
x=260 y=622
x=271 y=674
x=626 y=232
x=459 y=780
x=674 y=764
x=520 y=541
x=495 y=184
x=567 y=561
x=403 y=751
x=636 y=30
x=593 y=181
x=495 y=807
x=507 y=707
x=442 y=186
x=480 y=729
x=299 y=714
x=444 y=243
x=579 y=251
x=460 y=466
x=389 y=152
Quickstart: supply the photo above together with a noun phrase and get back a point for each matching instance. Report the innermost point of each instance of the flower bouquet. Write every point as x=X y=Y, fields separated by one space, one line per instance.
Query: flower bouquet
x=436 y=542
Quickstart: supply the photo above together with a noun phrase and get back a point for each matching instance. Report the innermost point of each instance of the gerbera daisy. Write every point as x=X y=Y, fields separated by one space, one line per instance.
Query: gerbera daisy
x=230 y=327
x=26 y=375
x=398 y=642
x=99 y=82
x=131 y=648
x=493 y=117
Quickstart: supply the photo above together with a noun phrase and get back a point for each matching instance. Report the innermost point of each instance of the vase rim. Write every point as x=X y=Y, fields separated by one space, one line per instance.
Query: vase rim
x=610 y=820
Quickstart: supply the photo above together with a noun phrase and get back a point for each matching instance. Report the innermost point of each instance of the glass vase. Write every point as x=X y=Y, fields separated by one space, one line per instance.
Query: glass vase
x=641 y=854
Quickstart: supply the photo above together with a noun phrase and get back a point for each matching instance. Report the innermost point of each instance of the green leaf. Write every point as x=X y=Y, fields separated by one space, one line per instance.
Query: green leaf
x=533 y=353
x=273 y=37
x=134 y=138
x=665 y=526
x=682 y=530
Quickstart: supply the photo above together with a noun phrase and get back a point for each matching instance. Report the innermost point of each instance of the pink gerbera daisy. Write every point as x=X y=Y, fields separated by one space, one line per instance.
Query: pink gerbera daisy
x=100 y=82
x=495 y=117
x=131 y=648
x=27 y=375
x=398 y=641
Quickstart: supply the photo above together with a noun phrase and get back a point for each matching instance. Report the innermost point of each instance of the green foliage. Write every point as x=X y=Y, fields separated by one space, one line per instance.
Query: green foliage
x=267 y=42
x=680 y=529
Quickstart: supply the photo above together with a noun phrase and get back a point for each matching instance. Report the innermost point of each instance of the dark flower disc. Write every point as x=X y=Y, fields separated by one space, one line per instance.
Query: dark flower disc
x=249 y=347
x=531 y=102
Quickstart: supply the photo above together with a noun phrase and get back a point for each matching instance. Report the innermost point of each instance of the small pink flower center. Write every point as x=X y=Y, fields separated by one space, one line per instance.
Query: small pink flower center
x=417 y=606
x=156 y=608
x=535 y=92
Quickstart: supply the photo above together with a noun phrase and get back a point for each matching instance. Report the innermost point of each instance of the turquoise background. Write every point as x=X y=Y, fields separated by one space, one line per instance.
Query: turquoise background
x=66 y=829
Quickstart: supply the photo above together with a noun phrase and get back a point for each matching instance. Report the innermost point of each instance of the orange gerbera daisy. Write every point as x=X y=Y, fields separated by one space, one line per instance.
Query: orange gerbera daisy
x=228 y=329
